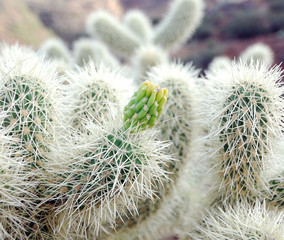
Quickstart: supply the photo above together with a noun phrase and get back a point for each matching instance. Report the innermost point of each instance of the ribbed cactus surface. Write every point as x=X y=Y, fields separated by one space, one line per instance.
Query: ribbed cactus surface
x=26 y=105
x=244 y=135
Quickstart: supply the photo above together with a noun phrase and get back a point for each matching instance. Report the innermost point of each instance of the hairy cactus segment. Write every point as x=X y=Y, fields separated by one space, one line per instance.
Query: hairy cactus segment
x=241 y=221
x=105 y=180
x=100 y=173
x=219 y=63
x=139 y=24
x=183 y=18
x=145 y=58
x=94 y=103
x=105 y=27
x=55 y=49
x=244 y=135
x=88 y=49
x=145 y=107
x=96 y=90
x=24 y=102
x=258 y=52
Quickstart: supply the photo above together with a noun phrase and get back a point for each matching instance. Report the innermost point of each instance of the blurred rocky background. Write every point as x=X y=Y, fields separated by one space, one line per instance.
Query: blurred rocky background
x=228 y=28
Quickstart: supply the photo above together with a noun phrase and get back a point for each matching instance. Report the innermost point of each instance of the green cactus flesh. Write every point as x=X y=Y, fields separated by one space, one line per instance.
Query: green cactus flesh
x=26 y=106
x=244 y=137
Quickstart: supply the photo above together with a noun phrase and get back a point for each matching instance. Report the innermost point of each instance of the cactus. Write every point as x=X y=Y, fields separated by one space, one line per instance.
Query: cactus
x=139 y=24
x=16 y=197
x=105 y=27
x=258 y=52
x=219 y=63
x=156 y=218
x=55 y=48
x=96 y=91
x=87 y=49
x=32 y=111
x=242 y=221
x=24 y=100
x=28 y=95
x=183 y=18
x=246 y=124
x=275 y=195
x=113 y=171
x=175 y=123
x=145 y=58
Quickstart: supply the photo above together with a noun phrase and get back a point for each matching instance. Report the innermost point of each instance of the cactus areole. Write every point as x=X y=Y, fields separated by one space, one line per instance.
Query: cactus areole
x=145 y=107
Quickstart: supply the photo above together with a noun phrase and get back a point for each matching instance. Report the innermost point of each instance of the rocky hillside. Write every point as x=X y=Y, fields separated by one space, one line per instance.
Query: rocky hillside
x=19 y=24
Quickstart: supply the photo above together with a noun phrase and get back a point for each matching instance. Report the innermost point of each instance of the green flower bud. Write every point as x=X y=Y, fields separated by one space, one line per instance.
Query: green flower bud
x=145 y=107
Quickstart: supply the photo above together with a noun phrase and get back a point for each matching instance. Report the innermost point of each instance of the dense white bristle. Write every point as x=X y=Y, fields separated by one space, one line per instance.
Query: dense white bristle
x=105 y=175
x=241 y=222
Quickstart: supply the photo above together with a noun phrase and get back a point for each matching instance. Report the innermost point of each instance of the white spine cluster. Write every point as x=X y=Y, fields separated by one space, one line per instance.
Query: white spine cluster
x=241 y=222
x=243 y=110
x=183 y=18
x=108 y=29
x=258 y=52
x=139 y=24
